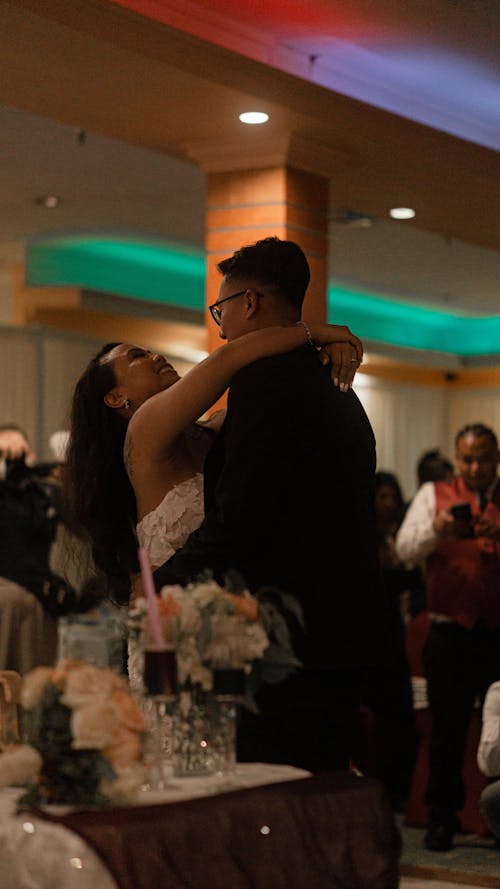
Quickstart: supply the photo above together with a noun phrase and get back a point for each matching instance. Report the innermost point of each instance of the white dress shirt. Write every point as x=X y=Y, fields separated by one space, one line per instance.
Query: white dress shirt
x=488 y=753
x=416 y=537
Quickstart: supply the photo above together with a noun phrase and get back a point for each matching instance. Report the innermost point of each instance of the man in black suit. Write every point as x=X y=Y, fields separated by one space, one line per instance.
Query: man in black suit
x=289 y=503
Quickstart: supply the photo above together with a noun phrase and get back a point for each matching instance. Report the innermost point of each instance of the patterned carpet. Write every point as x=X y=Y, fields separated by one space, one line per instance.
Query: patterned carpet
x=474 y=861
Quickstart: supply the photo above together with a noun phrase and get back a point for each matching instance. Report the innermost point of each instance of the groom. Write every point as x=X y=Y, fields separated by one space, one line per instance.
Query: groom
x=289 y=503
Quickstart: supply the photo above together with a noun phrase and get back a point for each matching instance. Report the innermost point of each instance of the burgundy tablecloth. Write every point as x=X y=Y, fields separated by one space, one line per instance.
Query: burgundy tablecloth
x=331 y=831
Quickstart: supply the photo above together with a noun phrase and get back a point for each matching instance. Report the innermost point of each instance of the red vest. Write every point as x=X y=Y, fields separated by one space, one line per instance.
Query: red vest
x=463 y=576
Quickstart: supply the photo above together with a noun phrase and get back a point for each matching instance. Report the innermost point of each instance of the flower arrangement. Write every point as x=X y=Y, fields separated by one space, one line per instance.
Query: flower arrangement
x=212 y=625
x=226 y=643
x=85 y=733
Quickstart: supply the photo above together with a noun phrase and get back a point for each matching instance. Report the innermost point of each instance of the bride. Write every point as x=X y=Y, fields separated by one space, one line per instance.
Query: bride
x=136 y=450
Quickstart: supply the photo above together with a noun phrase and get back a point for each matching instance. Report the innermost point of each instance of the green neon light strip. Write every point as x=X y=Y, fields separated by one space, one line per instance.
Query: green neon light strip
x=149 y=270
x=399 y=324
x=175 y=275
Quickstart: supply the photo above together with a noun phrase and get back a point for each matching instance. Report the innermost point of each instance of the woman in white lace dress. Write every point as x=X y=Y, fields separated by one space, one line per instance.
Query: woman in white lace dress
x=136 y=453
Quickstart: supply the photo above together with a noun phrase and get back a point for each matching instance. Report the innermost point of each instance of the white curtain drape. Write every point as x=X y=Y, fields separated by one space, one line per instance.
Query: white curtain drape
x=407 y=420
x=19 y=381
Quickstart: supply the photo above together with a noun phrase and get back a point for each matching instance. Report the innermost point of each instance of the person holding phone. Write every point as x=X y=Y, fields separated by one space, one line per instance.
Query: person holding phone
x=452 y=528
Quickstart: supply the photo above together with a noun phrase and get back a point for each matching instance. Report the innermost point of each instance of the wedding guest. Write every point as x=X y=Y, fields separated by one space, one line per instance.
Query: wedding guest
x=131 y=403
x=403 y=585
x=488 y=759
x=31 y=594
x=289 y=492
x=433 y=467
x=453 y=527
x=388 y=693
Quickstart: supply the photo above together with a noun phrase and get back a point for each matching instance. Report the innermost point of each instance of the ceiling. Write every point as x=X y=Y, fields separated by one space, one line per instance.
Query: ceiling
x=109 y=110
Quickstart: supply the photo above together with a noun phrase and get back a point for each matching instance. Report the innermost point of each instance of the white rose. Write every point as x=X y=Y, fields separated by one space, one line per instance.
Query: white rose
x=256 y=640
x=93 y=727
x=204 y=593
x=200 y=675
x=175 y=592
x=19 y=765
x=190 y=621
x=33 y=686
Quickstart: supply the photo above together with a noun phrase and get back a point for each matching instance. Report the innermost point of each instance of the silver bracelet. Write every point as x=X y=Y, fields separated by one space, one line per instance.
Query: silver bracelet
x=310 y=341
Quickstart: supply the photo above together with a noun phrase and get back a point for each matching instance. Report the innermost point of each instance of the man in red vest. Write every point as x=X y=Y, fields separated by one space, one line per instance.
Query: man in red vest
x=453 y=528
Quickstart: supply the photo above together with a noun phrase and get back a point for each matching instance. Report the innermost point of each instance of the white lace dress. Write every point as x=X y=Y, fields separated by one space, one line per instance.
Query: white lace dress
x=162 y=532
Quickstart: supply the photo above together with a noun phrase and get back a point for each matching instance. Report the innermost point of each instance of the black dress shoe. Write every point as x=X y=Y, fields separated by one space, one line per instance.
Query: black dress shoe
x=439 y=837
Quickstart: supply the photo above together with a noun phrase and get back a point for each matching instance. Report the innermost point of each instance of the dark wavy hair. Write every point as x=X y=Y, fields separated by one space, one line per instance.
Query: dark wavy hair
x=99 y=499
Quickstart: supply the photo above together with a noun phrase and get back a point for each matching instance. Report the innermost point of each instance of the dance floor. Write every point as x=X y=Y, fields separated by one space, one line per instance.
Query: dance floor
x=474 y=861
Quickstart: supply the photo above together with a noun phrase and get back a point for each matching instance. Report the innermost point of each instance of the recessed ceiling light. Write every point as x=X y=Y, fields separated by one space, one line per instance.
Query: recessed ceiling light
x=50 y=201
x=402 y=213
x=254 y=117
x=352 y=219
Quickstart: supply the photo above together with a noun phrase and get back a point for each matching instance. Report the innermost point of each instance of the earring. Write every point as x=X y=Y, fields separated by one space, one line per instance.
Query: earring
x=126 y=404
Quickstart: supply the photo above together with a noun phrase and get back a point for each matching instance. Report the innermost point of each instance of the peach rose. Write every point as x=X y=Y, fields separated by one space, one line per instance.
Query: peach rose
x=244 y=606
x=127 y=710
x=62 y=669
x=86 y=683
x=168 y=606
x=33 y=686
x=94 y=726
x=124 y=748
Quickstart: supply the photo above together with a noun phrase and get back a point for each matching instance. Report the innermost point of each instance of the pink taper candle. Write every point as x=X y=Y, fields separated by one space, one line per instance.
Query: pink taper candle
x=149 y=589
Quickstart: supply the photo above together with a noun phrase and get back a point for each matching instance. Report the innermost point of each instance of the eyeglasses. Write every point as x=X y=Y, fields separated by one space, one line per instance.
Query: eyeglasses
x=214 y=309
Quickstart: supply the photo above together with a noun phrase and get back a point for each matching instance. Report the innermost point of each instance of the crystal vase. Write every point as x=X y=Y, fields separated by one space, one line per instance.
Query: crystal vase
x=228 y=689
x=194 y=732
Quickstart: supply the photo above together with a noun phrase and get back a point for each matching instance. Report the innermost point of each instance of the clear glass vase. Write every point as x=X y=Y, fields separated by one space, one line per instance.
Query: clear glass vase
x=194 y=733
x=226 y=716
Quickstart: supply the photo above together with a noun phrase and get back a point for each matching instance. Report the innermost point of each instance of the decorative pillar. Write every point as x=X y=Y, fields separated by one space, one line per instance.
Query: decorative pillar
x=244 y=206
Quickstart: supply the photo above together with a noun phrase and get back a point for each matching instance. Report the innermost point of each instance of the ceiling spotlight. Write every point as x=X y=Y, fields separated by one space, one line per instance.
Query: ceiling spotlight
x=50 y=201
x=402 y=213
x=254 y=117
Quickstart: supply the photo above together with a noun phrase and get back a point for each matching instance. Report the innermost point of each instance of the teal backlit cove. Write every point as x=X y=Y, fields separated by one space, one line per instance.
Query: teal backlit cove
x=142 y=269
x=402 y=324
x=174 y=275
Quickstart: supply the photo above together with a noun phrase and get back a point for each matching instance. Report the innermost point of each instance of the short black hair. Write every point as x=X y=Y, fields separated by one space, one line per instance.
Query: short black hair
x=271 y=262
x=433 y=467
x=478 y=430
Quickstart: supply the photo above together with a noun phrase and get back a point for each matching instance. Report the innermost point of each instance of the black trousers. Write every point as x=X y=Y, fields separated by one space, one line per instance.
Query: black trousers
x=459 y=665
x=309 y=720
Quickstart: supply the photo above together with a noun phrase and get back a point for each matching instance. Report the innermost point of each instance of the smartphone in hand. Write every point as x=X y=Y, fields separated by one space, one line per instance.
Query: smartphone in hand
x=462 y=512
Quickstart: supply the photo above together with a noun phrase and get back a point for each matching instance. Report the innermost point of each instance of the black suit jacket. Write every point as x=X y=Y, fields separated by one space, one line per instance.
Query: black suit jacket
x=289 y=503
